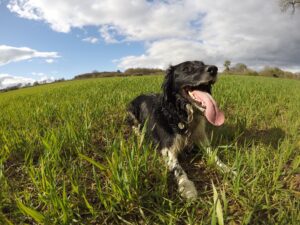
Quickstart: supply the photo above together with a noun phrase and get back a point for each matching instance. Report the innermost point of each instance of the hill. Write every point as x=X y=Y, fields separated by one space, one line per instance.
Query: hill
x=128 y=72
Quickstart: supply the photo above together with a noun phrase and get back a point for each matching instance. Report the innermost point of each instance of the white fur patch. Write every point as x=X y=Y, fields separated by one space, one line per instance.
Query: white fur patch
x=219 y=163
x=186 y=187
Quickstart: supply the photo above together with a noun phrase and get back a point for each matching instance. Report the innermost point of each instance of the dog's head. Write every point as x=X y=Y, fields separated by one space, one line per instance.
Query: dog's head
x=190 y=83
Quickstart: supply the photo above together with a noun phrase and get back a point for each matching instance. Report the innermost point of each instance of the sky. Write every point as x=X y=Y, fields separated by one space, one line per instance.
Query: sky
x=53 y=39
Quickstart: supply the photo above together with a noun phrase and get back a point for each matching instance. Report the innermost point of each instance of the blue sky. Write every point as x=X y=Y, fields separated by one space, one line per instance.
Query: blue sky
x=52 y=39
x=76 y=56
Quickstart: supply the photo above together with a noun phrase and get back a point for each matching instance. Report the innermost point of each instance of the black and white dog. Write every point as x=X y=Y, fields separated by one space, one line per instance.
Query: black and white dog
x=176 y=118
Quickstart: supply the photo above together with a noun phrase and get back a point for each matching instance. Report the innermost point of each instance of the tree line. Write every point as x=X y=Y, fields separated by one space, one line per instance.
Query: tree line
x=118 y=73
x=267 y=71
x=22 y=85
x=237 y=69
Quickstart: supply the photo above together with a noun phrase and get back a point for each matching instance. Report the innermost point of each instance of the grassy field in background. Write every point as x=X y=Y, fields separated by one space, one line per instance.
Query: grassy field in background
x=67 y=157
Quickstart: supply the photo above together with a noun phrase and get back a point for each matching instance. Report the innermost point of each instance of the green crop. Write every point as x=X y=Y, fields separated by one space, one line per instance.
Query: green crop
x=68 y=157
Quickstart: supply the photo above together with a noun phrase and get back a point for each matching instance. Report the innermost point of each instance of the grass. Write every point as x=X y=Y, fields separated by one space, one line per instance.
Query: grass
x=67 y=157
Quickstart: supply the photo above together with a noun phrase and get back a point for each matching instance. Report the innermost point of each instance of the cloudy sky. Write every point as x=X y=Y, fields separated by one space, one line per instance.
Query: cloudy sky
x=51 y=39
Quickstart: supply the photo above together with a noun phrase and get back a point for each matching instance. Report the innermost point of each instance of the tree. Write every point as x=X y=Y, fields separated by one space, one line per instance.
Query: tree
x=285 y=5
x=240 y=68
x=226 y=65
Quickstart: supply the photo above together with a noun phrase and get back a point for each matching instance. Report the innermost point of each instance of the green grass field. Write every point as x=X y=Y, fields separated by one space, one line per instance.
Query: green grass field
x=67 y=157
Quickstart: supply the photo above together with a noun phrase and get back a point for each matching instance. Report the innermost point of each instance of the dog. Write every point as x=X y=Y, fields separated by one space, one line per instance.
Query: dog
x=175 y=119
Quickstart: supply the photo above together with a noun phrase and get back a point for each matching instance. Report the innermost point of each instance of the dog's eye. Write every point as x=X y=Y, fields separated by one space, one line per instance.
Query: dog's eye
x=188 y=69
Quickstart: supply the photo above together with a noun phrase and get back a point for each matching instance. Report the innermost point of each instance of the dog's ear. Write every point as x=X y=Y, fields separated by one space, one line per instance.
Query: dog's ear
x=167 y=84
x=173 y=105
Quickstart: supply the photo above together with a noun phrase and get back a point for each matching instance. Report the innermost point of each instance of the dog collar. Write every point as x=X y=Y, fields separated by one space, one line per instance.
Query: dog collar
x=180 y=126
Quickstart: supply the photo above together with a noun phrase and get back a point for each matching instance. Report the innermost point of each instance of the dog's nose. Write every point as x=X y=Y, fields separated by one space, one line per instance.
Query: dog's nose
x=212 y=70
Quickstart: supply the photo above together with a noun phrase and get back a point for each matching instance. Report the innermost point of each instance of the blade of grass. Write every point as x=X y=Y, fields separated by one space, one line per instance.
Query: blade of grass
x=98 y=165
x=218 y=206
x=38 y=217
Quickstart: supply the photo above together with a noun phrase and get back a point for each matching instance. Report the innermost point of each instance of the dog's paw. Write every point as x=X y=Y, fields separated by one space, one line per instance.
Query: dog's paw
x=224 y=168
x=233 y=172
x=229 y=170
x=187 y=189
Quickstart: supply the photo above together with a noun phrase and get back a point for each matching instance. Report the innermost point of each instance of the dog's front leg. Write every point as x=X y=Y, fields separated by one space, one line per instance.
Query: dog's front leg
x=186 y=187
x=202 y=140
x=218 y=162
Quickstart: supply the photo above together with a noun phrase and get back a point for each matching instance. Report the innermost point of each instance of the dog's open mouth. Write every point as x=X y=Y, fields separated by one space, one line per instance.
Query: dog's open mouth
x=199 y=96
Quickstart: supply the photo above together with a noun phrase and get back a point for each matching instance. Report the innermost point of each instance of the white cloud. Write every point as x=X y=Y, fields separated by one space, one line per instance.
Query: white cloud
x=7 y=80
x=10 y=54
x=252 y=31
x=162 y=53
x=92 y=40
x=39 y=74
x=241 y=33
x=49 y=61
x=135 y=19
x=46 y=79
x=108 y=33
x=42 y=77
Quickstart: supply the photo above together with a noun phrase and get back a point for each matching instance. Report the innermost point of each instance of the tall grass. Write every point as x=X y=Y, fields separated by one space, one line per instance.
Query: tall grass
x=67 y=157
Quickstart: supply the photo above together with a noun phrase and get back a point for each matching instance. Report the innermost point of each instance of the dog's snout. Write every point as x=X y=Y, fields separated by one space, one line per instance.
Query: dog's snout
x=212 y=70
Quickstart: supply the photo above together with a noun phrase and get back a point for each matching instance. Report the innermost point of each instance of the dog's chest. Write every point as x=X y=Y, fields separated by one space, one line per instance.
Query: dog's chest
x=195 y=133
x=180 y=142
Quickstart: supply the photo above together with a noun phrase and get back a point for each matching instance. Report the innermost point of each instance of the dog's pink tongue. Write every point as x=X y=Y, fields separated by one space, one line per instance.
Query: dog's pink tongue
x=212 y=113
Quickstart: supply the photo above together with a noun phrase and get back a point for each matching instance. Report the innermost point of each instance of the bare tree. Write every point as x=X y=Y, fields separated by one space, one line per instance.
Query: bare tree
x=286 y=5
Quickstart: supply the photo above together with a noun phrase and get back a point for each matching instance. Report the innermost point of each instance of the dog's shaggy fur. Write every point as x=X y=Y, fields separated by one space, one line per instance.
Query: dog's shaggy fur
x=173 y=119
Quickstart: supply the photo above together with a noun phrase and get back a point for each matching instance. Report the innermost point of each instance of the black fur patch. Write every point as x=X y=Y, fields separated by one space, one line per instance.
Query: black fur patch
x=166 y=113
